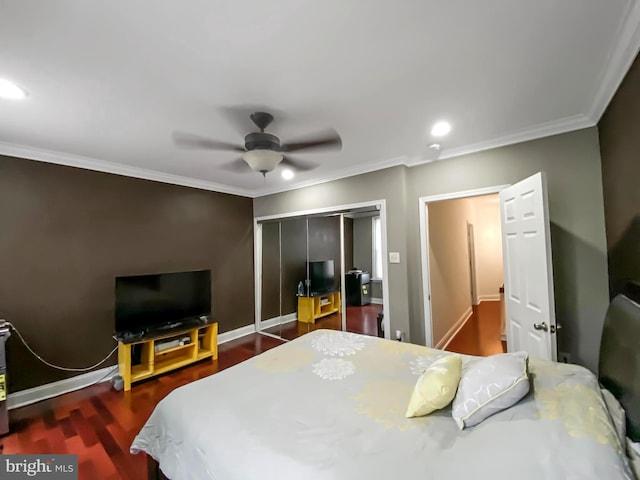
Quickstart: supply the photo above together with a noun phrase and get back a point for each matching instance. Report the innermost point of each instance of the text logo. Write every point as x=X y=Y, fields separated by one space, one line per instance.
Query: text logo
x=52 y=467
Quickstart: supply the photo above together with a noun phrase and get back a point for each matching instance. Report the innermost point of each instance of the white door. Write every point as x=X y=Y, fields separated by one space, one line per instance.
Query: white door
x=526 y=248
x=471 y=246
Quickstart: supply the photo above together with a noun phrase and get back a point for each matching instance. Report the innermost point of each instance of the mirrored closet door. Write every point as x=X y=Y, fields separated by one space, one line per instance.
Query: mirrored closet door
x=316 y=273
x=271 y=281
x=284 y=263
x=321 y=307
x=294 y=239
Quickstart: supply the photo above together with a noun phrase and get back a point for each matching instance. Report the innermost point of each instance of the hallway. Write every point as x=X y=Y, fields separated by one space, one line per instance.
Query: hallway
x=481 y=334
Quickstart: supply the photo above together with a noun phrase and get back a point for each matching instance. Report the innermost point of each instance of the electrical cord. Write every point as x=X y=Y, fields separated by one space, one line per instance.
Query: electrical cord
x=58 y=367
x=113 y=370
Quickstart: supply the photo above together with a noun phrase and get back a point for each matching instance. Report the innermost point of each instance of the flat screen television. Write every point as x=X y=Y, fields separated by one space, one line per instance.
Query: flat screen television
x=321 y=277
x=147 y=302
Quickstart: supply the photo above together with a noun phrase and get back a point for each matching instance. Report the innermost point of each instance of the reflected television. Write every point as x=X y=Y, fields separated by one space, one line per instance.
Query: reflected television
x=321 y=277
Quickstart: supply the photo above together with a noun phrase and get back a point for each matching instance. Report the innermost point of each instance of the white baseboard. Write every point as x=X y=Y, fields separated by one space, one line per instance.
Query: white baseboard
x=272 y=322
x=377 y=301
x=267 y=334
x=489 y=298
x=453 y=331
x=237 y=333
x=50 y=390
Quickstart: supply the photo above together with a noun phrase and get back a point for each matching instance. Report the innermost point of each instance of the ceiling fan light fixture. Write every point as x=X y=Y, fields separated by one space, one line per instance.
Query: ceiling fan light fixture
x=287 y=174
x=262 y=160
x=11 y=91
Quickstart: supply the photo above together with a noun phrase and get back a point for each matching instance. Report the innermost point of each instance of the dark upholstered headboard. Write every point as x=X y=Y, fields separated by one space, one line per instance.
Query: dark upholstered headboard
x=619 y=369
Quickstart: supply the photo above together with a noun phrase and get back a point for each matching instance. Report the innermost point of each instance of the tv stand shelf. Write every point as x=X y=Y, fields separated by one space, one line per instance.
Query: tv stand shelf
x=317 y=306
x=191 y=345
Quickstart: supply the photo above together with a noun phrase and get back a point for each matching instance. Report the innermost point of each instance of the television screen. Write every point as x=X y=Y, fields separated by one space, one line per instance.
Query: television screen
x=321 y=277
x=148 y=301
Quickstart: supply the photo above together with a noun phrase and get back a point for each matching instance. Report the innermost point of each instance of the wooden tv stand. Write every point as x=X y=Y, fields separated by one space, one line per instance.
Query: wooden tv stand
x=166 y=351
x=317 y=306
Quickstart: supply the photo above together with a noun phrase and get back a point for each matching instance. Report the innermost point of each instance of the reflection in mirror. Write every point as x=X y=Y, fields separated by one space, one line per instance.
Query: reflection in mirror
x=363 y=278
x=304 y=283
x=270 y=312
x=293 y=271
x=321 y=307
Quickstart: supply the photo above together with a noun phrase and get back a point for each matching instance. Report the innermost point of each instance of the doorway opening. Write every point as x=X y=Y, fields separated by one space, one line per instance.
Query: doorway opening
x=529 y=306
x=463 y=272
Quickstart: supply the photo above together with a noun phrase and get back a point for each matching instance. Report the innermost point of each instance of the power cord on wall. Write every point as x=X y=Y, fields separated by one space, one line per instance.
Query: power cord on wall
x=111 y=375
x=49 y=364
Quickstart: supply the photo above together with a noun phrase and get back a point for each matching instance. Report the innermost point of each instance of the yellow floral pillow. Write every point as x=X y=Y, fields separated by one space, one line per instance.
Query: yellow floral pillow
x=436 y=387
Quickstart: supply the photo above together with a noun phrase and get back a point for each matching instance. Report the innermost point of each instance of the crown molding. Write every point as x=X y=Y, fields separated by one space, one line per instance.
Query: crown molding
x=547 y=129
x=621 y=56
x=623 y=52
x=543 y=130
x=69 y=160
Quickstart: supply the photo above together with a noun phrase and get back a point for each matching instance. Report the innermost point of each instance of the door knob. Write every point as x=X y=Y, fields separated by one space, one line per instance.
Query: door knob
x=541 y=326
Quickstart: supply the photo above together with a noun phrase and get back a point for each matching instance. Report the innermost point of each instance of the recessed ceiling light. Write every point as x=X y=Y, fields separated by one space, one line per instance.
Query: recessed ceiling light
x=440 y=129
x=434 y=146
x=10 y=90
x=287 y=174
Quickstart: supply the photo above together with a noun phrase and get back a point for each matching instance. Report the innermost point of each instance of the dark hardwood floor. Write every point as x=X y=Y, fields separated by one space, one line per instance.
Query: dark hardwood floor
x=99 y=423
x=481 y=334
x=362 y=320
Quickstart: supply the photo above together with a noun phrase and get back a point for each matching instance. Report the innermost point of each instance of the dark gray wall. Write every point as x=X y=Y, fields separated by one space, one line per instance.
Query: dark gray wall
x=66 y=233
x=620 y=150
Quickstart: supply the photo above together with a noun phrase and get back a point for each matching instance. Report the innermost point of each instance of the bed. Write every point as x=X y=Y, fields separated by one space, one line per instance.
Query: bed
x=331 y=405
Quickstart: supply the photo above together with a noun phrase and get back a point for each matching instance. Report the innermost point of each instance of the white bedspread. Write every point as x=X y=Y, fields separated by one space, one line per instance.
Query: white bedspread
x=330 y=405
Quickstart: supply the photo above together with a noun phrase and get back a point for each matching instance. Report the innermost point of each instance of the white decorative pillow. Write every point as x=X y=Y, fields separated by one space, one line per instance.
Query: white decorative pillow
x=489 y=386
x=436 y=387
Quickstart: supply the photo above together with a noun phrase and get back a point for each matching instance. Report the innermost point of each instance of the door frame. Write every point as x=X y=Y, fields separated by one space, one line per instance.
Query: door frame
x=423 y=206
x=471 y=247
x=381 y=205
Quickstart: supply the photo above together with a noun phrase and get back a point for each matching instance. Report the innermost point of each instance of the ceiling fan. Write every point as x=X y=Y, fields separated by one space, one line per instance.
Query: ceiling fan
x=263 y=151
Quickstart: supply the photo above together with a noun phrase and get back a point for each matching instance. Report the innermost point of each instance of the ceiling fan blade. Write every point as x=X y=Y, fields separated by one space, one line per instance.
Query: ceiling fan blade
x=237 y=166
x=298 y=165
x=189 y=140
x=325 y=140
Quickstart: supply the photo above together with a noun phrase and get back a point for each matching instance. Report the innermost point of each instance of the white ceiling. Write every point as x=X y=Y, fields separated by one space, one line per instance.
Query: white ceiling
x=108 y=82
